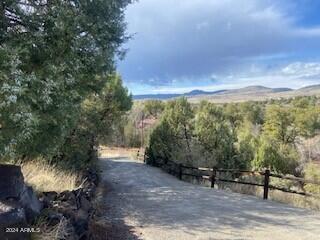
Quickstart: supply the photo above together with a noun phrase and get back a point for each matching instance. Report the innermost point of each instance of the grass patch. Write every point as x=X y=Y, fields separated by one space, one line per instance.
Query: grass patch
x=115 y=152
x=45 y=178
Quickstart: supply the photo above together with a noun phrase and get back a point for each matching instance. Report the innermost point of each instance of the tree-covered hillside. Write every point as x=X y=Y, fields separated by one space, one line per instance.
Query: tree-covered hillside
x=250 y=135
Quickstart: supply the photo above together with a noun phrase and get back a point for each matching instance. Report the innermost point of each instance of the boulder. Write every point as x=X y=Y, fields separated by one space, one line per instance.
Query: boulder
x=18 y=204
x=51 y=196
x=68 y=196
x=11 y=214
x=85 y=204
x=11 y=182
x=30 y=203
x=47 y=198
x=12 y=219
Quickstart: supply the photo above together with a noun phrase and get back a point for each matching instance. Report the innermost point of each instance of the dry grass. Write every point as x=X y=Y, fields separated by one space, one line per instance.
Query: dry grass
x=275 y=195
x=44 y=178
x=62 y=231
x=115 y=152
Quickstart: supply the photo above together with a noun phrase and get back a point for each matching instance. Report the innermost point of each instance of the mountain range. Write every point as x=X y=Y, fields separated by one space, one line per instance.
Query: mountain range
x=241 y=94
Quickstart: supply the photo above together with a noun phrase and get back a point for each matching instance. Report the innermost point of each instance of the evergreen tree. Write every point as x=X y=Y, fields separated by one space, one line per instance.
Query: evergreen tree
x=53 y=56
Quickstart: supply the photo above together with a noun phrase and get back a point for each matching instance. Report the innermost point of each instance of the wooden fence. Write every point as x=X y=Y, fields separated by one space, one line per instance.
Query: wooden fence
x=213 y=175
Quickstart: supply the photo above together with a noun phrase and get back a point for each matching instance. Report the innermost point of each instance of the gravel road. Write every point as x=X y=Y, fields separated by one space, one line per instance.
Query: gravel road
x=156 y=206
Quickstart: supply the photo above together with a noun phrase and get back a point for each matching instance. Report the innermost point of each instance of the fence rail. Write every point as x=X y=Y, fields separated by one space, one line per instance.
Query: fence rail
x=212 y=175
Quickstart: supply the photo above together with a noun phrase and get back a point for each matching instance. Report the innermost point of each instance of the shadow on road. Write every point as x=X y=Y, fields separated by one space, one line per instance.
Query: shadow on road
x=154 y=198
x=113 y=226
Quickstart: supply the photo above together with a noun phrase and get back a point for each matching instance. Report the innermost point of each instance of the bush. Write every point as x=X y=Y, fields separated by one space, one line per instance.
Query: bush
x=278 y=157
x=312 y=172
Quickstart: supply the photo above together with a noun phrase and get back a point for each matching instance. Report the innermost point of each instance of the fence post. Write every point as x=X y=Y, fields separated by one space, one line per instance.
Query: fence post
x=266 y=184
x=213 y=177
x=180 y=171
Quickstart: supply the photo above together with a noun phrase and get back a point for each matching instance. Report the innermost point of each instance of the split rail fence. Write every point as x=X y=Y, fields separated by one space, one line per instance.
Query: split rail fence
x=213 y=175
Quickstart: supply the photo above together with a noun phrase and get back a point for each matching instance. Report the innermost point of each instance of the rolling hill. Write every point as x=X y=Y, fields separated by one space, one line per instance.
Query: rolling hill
x=250 y=93
x=170 y=96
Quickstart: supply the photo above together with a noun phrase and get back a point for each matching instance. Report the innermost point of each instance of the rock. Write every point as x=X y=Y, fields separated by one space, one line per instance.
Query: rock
x=74 y=206
x=85 y=204
x=68 y=196
x=47 y=198
x=30 y=203
x=90 y=190
x=18 y=203
x=54 y=218
x=11 y=182
x=91 y=175
x=66 y=209
x=51 y=196
x=11 y=214
x=46 y=203
x=12 y=219
x=81 y=227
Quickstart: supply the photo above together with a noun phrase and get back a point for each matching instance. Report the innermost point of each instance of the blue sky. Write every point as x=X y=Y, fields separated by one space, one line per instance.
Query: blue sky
x=181 y=45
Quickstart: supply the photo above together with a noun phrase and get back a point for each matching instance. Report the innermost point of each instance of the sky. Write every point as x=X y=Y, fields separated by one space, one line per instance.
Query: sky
x=181 y=45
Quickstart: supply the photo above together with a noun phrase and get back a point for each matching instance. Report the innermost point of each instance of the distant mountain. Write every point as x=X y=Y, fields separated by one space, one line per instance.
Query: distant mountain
x=155 y=96
x=256 y=89
x=173 y=95
x=200 y=92
x=197 y=93
x=251 y=93
x=310 y=88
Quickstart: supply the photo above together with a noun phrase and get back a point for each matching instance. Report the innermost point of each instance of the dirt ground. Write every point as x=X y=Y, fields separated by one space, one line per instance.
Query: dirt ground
x=143 y=202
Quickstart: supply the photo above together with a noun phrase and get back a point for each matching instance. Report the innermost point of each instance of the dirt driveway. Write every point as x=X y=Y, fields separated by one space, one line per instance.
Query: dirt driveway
x=156 y=206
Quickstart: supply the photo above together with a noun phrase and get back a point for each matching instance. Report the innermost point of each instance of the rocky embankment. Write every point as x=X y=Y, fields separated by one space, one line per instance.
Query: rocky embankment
x=19 y=205
x=68 y=212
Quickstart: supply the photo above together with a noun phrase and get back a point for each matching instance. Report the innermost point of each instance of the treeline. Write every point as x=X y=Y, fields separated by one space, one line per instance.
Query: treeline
x=249 y=135
x=59 y=93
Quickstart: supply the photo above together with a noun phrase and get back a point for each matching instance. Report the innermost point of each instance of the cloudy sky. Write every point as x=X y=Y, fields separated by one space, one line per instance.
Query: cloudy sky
x=181 y=45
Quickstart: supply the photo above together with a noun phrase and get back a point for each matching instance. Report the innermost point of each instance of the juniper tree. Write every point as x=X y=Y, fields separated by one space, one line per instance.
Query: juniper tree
x=54 y=54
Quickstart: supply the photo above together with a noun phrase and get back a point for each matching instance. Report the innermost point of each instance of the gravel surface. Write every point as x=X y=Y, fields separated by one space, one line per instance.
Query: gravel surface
x=157 y=206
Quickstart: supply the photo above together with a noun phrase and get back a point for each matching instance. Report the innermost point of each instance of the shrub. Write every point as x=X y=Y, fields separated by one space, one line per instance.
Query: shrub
x=312 y=172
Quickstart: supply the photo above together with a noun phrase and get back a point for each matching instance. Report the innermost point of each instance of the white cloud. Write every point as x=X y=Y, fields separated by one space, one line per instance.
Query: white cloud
x=192 y=39
x=303 y=70
x=295 y=75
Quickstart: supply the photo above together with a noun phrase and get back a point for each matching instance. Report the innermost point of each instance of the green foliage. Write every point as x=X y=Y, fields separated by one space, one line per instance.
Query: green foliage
x=279 y=124
x=132 y=135
x=172 y=138
x=179 y=114
x=307 y=120
x=252 y=112
x=162 y=145
x=276 y=149
x=154 y=107
x=246 y=144
x=237 y=135
x=130 y=132
x=214 y=133
x=278 y=157
x=312 y=172
x=233 y=115
x=54 y=56
x=98 y=118
x=185 y=137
